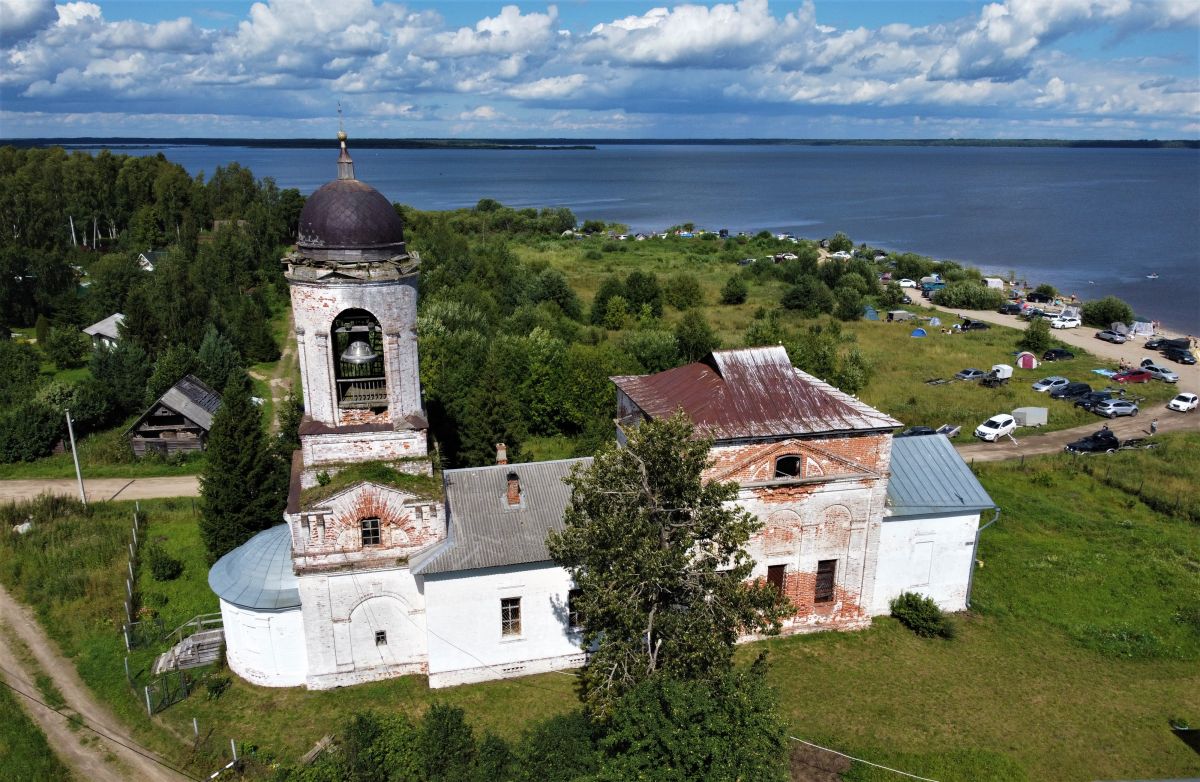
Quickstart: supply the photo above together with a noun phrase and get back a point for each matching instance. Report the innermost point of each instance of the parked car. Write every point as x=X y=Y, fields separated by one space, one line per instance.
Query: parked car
x=1184 y=403
x=1065 y=323
x=1052 y=383
x=917 y=431
x=1071 y=391
x=1179 y=355
x=1010 y=308
x=1133 y=376
x=907 y=283
x=1088 y=401
x=1057 y=354
x=1166 y=343
x=996 y=427
x=1103 y=441
x=1159 y=372
x=974 y=325
x=1115 y=407
x=969 y=374
x=1109 y=335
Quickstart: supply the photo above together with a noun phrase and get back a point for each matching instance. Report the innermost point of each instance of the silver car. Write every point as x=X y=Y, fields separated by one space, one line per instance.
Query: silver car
x=1111 y=408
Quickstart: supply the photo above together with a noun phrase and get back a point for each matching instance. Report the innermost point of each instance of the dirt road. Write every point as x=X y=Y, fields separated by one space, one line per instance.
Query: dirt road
x=100 y=759
x=99 y=489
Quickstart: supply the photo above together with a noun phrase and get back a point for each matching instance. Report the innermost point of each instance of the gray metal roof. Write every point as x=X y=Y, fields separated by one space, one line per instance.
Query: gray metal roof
x=258 y=574
x=107 y=327
x=484 y=531
x=193 y=398
x=929 y=478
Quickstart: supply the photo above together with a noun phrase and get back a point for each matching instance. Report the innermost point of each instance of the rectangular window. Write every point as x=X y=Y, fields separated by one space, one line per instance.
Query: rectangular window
x=826 y=573
x=775 y=576
x=381 y=637
x=370 y=532
x=510 y=616
x=573 y=616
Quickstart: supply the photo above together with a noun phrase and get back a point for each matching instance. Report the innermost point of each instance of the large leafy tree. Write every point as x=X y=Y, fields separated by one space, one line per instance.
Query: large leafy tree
x=657 y=554
x=244 y=483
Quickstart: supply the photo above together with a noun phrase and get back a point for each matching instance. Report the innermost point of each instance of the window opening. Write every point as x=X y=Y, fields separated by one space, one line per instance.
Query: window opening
x=381 y=637
x=370 y=532
x=775 y=576
x=358 y=361
x=787 y=467
x=574 y=618
x=826 y=571
x=510 y=616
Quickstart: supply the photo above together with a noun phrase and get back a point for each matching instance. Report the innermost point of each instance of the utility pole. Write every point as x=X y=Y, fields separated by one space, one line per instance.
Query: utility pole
x=75 y=456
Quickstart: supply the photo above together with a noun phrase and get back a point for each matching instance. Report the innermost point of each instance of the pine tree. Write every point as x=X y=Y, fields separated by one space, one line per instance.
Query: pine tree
x=244 y=483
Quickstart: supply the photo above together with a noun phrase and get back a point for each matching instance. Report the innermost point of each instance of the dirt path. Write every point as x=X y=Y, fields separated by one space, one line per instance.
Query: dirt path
x=100 y=489
x=101 y=759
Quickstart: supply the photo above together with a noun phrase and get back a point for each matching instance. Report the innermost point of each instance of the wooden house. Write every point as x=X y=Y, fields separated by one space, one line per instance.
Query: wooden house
x=178 y=421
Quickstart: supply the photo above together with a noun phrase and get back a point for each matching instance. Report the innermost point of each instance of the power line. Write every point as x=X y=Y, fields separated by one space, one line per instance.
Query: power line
x=860 y=760
x=77 y=720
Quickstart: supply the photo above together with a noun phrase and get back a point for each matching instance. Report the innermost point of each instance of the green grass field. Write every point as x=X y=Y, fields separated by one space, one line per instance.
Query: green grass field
x=1083 y=640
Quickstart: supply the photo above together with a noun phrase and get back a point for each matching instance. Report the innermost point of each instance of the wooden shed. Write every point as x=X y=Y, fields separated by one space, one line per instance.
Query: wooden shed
x=178 y=421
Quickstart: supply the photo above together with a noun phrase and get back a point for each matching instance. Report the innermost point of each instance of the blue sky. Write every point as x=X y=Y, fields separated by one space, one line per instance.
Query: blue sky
x=588 y=68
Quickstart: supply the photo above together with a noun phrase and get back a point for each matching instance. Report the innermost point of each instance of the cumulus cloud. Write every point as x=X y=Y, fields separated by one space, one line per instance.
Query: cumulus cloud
x=669 y=67
x=19 y=19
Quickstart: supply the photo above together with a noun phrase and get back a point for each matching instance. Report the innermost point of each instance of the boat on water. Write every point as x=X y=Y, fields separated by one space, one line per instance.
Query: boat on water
x=1152 y=276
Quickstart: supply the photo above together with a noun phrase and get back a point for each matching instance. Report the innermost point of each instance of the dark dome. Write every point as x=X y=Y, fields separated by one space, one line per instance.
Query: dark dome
x=347 y=214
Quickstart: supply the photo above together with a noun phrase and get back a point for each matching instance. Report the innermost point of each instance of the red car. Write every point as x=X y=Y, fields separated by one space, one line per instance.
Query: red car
x=1133 y=376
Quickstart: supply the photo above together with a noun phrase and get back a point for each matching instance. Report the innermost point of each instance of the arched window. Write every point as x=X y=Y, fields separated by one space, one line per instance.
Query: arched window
x=788 y=467
x=358 y=361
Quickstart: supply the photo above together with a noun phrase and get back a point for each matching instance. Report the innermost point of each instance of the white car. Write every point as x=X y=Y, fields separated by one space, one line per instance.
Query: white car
x=1162 y=373
x=1065 y=323
x=1184 y=403
x=996 y=427
x=1052 y=383
x=907 y=283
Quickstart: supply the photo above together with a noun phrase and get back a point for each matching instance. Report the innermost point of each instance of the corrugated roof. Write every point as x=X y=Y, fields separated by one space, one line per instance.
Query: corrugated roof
x=107 y=327
x=930 y=478
x=751 y=392
x=484 y=531
x=193 y=398
x=258 y=574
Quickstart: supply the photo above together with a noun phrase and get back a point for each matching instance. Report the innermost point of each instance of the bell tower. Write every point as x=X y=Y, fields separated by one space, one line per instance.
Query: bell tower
x=354 y=300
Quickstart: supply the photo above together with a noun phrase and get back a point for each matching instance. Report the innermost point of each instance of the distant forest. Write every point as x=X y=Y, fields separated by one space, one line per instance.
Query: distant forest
x=592 y=143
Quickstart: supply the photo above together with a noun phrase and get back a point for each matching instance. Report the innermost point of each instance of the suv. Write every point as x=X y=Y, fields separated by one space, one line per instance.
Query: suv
x=1180 y=355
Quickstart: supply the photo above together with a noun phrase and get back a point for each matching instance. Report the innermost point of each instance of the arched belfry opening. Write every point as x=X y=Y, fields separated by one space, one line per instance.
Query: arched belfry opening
x=357 y=340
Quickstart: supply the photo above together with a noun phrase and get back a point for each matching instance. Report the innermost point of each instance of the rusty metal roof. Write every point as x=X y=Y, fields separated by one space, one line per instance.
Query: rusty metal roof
x=749 y=393
x=484 y=531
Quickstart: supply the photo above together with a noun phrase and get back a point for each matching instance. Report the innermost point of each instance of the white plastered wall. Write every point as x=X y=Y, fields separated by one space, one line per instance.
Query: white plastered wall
x=465 y=641
x=931 y=556
x=343 y=612
x=265 y=647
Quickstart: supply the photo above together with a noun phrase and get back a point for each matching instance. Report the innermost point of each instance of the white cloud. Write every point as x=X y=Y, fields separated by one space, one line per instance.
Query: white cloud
x=19 y=19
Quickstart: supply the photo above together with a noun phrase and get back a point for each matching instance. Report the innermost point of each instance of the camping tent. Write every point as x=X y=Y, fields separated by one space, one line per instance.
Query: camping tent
x=870 y=313
x=919 y=333
x=1027 y=360
x=1141 y=328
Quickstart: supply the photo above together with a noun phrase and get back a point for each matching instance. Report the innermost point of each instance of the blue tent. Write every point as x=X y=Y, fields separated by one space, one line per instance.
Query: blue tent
x=919 y=333
x=870 y=313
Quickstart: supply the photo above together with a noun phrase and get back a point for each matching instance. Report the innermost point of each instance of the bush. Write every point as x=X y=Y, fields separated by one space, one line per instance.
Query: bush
x=968 y=295
x=734 y=291
x=683 y=291
x=1107 y=311
x=163 y=566
x=1037 y=336
x=921 y=615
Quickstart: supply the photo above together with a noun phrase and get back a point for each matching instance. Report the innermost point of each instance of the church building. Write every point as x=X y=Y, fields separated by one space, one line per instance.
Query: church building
x=373 y=577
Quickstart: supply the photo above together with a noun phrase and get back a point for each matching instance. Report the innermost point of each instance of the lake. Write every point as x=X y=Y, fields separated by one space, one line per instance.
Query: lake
x=1092 y=222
